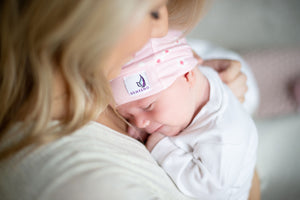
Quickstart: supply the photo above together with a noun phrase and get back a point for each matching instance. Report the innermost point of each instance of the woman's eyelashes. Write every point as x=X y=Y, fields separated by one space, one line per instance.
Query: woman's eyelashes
x=155 y=14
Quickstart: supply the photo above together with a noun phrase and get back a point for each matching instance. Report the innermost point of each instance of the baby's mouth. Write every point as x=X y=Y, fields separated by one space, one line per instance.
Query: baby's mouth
x=150 y=131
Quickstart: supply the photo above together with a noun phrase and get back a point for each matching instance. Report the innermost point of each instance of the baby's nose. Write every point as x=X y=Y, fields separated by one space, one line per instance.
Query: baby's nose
x=141 y=123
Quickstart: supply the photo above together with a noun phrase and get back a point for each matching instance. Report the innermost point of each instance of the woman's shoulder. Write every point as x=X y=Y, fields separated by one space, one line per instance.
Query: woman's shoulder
x=94 y=161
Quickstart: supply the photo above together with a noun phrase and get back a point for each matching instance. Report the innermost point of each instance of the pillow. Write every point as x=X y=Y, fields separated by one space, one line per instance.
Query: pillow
x=276 y=72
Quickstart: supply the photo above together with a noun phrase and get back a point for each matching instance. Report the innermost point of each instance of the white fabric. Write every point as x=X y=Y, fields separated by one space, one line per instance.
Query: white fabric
x=92 y=164
x=214 y=157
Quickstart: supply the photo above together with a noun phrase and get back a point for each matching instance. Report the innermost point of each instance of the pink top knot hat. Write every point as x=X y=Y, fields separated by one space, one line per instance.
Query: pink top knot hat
x=154 y=68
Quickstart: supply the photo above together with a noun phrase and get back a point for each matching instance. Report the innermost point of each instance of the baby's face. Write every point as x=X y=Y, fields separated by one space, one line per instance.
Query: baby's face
x=167 y=112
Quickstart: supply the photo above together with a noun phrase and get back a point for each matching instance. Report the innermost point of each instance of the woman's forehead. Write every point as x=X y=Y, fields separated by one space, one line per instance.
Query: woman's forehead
x=159 y=3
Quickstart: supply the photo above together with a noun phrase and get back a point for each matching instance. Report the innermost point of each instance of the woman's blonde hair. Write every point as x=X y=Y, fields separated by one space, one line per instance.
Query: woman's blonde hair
x=185 y=14
x=40 y=38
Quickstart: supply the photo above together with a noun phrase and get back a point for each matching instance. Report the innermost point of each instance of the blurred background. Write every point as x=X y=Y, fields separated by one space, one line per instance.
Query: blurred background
x=240 y=24
x=266 y=33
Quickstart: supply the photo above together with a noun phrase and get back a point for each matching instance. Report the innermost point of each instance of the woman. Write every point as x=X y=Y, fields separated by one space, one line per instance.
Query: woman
x=59 y=139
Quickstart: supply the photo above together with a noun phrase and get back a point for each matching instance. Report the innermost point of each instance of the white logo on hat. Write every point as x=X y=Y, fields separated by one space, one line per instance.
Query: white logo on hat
x=137 y=83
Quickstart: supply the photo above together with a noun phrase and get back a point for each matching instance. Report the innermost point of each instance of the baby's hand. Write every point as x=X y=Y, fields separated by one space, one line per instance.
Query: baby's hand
x=153 y=139
x=137 y=133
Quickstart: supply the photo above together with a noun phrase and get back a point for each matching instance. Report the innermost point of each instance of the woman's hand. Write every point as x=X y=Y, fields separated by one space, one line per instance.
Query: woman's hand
x=231 y=74
x=153 y=139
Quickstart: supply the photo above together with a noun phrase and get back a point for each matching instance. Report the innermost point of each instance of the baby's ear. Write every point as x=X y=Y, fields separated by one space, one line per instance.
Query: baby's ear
x=190 y=77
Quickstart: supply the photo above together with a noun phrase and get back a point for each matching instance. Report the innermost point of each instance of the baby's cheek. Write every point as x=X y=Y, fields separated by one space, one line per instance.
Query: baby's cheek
x=165 y=118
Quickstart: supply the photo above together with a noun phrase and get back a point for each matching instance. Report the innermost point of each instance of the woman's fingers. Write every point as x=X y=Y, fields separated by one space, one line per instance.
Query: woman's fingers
x=218 y=64
x=232 y=71
x=239 y=86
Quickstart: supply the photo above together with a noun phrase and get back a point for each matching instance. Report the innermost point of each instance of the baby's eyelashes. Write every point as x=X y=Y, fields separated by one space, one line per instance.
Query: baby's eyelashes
x=148 y=107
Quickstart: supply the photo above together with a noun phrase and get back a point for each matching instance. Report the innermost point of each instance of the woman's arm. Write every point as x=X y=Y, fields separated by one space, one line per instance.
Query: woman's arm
x=255 y=188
